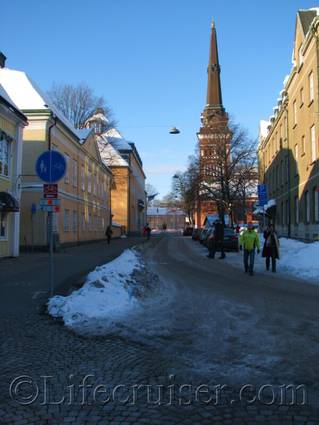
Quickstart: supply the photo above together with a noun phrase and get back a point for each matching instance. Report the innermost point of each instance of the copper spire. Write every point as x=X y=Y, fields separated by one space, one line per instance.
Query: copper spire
x=214 y=92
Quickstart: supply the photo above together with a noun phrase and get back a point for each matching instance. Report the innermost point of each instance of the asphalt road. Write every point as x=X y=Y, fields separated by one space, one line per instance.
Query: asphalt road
x=238 y=329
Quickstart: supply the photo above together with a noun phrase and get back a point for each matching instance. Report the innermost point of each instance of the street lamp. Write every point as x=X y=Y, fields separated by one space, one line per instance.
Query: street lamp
x=174 y=130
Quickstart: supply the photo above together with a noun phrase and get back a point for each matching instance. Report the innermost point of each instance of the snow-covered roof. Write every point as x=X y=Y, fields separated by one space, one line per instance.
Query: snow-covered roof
x=160 y=211
x=9 y=101
x=117 y=140
x=109 y=155
x=263 y=128
x=27 y=96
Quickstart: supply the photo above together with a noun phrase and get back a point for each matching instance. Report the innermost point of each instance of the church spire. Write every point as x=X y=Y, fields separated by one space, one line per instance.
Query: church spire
x=214 y=91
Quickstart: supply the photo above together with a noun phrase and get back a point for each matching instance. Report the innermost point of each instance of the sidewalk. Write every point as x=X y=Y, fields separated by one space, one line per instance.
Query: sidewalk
x=24 y=281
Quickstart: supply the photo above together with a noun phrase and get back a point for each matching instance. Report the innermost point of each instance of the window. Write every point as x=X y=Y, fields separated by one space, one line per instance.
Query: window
x=301 y=97
x=311 y=87
x=3 y=226
x=75 y=173
x=313 y=143
x=4 y=157
x=74 y=221
x=300 y=56
x=295 y=112
x=296 y=210
x=66 y=220
x=307 y=207
x=67 y=176
x=83 y=221
x=89 y=182
x=90 y=222
x=83 y=178
x=303 y=145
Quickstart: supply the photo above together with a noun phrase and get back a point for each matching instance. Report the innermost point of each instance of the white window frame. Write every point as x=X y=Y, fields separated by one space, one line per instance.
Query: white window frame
x=311 y=87
x=307 y=207
x=67 y=173
x=66 y=220
x=4 y=225
x=74 y=221
x=5 y=161
x=75 y=173
x=313 y=143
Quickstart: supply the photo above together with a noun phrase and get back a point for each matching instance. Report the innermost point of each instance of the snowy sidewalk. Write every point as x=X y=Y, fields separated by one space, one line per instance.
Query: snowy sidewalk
x=297 y=259
x=28 y=275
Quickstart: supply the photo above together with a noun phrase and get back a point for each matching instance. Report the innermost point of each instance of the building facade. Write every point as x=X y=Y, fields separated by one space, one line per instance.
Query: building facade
x=288 y=143
x=214 y=128
x=128 y=196
x=12 y=122
x=85 y=189
x=162 y=218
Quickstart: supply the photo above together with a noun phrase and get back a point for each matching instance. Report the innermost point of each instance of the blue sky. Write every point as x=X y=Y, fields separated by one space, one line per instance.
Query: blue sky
x=149 y=58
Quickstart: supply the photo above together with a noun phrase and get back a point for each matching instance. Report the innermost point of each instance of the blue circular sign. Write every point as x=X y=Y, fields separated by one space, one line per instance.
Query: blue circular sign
x=50 y=166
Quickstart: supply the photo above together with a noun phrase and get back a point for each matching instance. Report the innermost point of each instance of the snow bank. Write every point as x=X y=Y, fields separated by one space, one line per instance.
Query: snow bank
x=297 y=258
x=105 y=294
x=300 y=259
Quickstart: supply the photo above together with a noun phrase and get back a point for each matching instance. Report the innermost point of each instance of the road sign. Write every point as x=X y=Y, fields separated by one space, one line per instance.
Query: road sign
x=51 y=202
x=262 y=194
x=50 y=166
x=50 y=191
x=50 y=208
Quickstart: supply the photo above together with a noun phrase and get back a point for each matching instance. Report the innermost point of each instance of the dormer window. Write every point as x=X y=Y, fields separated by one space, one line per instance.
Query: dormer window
x=98 y=127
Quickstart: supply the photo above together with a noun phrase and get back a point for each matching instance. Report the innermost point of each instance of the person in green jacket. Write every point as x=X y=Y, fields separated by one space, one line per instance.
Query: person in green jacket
x=249 y=240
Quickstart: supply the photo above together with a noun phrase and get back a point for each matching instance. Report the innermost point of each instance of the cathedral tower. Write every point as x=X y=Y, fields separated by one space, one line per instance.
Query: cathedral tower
x=214 y=128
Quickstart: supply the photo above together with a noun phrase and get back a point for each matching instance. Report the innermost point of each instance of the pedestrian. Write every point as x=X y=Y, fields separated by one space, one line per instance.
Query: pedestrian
x=249 y=241
x=211 y=243
x=271 y=248
x=237 y=229
x=219 y=238
x=147 y=231
x=108 y=234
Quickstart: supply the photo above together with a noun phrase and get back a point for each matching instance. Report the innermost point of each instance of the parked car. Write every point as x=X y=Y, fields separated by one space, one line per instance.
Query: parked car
x=196 y=234
x=203 y=234
x=188 y=231
x=230 y=240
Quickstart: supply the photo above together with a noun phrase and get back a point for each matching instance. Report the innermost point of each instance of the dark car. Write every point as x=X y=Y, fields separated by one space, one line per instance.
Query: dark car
x=230 y=240
x=188 y=231
x=196 y=234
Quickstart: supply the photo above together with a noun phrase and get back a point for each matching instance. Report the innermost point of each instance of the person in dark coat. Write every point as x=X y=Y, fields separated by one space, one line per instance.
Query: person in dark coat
x=271 y=248
x=108 y=234
x=216 y=239
x=219 y=237
x=147 y=231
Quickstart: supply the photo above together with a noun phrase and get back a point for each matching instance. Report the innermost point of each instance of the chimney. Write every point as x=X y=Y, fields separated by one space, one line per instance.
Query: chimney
x=2 y=60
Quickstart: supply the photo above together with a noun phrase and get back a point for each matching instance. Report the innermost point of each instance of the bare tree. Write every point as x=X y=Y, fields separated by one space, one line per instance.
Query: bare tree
x=78 y=103
x=227 y=169
x=151 y=192
x=185 y=186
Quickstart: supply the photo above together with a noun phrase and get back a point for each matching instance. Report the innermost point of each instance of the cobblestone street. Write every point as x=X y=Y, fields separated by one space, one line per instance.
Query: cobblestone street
x=67 y=368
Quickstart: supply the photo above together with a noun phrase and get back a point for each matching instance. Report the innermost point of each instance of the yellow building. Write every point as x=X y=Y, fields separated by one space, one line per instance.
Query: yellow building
x=128 y=185
x=12 y=122
x=288 y=146
x=85 y=189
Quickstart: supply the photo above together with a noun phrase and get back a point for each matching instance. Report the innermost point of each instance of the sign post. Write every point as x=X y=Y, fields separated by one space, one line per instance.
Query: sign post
x=50 y=168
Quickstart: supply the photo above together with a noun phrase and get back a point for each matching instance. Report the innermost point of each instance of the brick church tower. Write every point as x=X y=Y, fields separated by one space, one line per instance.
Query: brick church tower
x=214 y=128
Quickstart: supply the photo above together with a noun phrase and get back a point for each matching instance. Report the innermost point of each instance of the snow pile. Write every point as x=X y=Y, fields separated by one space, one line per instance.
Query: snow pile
x=297 y=259
x=300 y=259
x=107 y=293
